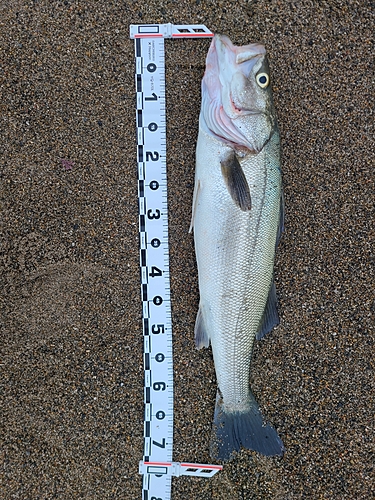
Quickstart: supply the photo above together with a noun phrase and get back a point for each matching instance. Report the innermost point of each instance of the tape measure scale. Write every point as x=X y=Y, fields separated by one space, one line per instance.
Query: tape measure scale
x=157 y=466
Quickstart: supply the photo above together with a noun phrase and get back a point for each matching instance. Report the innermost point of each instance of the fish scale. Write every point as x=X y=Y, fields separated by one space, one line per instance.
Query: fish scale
x=237 y=220
x=236 y=267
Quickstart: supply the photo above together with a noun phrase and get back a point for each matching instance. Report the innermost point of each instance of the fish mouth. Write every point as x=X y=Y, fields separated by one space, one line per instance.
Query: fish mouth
x=241 y=54
x=225 y=40
x=224 y=105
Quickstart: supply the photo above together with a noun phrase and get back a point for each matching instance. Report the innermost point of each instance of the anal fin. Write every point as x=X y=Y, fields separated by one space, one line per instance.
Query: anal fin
x=270 y=315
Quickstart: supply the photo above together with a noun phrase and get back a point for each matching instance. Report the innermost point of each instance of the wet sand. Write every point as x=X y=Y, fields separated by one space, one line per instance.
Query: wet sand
x=71 y=335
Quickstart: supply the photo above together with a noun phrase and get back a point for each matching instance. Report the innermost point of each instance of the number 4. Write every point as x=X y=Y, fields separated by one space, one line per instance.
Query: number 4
x=155 y=271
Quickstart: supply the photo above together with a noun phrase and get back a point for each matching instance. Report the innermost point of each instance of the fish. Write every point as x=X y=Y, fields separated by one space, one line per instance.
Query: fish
x=237 y=220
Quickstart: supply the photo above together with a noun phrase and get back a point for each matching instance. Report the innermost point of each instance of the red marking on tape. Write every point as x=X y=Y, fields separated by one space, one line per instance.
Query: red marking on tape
x=191 y=35
x=158 y=463
x=152 y=35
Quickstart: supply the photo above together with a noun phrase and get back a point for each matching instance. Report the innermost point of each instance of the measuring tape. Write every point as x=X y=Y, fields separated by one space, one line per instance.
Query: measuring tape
x=157 y=466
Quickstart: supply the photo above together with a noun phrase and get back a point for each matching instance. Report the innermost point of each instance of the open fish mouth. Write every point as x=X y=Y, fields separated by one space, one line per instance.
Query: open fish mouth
x=221 y=126
x=229 y=111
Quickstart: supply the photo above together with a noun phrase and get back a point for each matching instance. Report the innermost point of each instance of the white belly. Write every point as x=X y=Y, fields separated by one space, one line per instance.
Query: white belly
x=235 y=254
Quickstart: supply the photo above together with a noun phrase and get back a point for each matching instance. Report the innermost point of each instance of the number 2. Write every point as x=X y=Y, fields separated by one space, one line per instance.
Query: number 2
x=154 y=156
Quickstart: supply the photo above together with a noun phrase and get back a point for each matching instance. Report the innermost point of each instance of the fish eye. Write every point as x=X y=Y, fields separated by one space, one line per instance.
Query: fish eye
x=263 y=80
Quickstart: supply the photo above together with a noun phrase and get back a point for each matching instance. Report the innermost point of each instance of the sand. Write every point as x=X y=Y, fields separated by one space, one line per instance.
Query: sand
x=71 y=335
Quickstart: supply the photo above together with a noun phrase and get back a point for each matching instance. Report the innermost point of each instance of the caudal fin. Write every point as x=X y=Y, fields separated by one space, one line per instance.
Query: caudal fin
x=231 y=430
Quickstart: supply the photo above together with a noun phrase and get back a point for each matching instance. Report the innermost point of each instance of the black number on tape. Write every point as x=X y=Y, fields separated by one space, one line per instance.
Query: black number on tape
x=159 y=386
x=151 y=67
x=161 y=445
x=154 y=185
x=157 y=300
x=157 y=329
x=160 y=415
x=155 y=271
x=160 y=357
x=152 y=155
x=152 y=215
x=153 y=98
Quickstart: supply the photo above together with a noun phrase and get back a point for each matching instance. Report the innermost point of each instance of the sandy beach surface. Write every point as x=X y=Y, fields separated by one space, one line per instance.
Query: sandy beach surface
x=71 y=332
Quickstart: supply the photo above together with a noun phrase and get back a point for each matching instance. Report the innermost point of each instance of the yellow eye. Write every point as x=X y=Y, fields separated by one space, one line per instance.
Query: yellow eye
x=263 y=80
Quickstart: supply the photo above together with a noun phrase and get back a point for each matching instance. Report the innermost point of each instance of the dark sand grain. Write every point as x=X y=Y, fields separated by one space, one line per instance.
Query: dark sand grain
x=71 y=339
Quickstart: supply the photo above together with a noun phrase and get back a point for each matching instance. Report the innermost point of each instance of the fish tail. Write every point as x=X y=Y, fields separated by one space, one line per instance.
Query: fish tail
x=231 y=430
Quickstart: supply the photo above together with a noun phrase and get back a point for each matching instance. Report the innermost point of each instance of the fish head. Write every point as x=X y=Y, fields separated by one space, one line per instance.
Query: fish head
x=237 y=106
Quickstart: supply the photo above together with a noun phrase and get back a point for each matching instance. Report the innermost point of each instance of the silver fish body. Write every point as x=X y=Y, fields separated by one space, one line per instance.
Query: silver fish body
x=237 y=220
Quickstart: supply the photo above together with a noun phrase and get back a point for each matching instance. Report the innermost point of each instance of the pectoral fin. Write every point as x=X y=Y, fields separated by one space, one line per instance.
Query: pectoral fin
x=236 y=182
